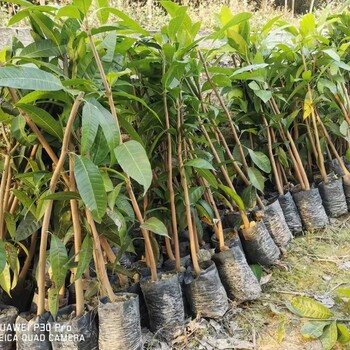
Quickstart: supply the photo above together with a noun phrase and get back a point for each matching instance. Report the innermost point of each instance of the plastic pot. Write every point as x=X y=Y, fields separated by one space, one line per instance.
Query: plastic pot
x=33 y=332
x=333 y=197
x=258 y=245
x=119 y=323
x=290 y=212
x=164 y=304
x=8 y=315
x=71 y=333
x=276 y=224
x=236 y=275
x=231 y=238
x=311 y=210
x=206 y=294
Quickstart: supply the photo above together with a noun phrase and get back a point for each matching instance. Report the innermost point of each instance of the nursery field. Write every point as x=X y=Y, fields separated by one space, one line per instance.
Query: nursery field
x=174 y=189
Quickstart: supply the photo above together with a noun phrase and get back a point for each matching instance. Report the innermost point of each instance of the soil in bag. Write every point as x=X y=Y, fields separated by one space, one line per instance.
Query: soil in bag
x=333 y=197
x=206 y=294
x=119 y=323
x=258 y=245
x=236 y=275
x=8 y=315
x=311 y=210
x=165 y=305
x=32 y=332
x=290 y=212
x=276 y=224
x=73 y=333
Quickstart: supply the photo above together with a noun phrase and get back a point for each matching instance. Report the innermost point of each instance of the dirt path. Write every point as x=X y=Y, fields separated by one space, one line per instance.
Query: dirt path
x=316 y=265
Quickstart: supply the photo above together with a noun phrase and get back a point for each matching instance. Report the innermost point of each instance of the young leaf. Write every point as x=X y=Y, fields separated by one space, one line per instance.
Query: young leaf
x=85 y=256
x=261 y=160
x=155 y=225
x=29 y=78
x=53 y=299
x=199 y=163
x=256 y=178
x=132 y=157
x=25 y=200
x=249 y=197
x=58 y=260
x=195 y=193
x=237 y=199
x=308 y=307
x=313 y=329
x=90 y=185
x=209 y=176
x=329 y=336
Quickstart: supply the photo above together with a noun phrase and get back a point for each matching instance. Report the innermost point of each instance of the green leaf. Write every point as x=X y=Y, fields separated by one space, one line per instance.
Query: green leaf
x=209 y=176
x=332 y=54
x=113 y=195
x=249 y=197
x=2 y=256
x=27 y=227
x=43 y=119
x=199 y=163
x=83 y=5
x=69 y=11
x=256 y=178
x=5 y=279
x=117 y=217
x=261 y=160
x=195 y=194
x=132 y=157
x=5 y=117
x=45 y=96
x=257 y=270
x=307 y=25
x=308 y=307
x=89 y=128
x=313 y=329
x=53 y=299
x=90 y=185
x=343 y=334
x=85 y=256
x=25 y=200
x=62 y=196
x=329 y=336
x=58 y=261
x=264 y=95
x=155 y=225
x=236 y=198
x=42 y=48
x=29 y=78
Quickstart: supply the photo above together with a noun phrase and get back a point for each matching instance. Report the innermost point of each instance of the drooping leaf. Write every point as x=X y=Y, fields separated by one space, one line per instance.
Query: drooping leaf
x=27 y=227
x=63 y=196
x=199 y=163
x=53 y=299
x=117 y=217
x=329 y=336
x=5 y=279
x=42 y=48
x=256 y=178
x=195 y=194
x=308 y=307
x=2 y=256
x=85 y=256
x=153 y=224
x=132 y=157
x=261 y=160
x=29 y=78
x=90 y=124
x=234 y=196
x=343 y=334
x=209 y=176
x=44 y=120
x=58 y=261
x=249 y=197
x=90 y=185
x=313 y=329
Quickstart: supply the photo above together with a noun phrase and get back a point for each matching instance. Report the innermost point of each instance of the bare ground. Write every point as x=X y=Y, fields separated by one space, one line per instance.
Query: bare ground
x=316 y=265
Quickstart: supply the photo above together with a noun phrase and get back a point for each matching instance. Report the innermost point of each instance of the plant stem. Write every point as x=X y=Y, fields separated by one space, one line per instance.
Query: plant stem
x=23 y=274
x=108 y=93
x=47 y=215
x=3 y=185
x=272 y=158
x=186 y=194
x=98 y=258
x=79 y=304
